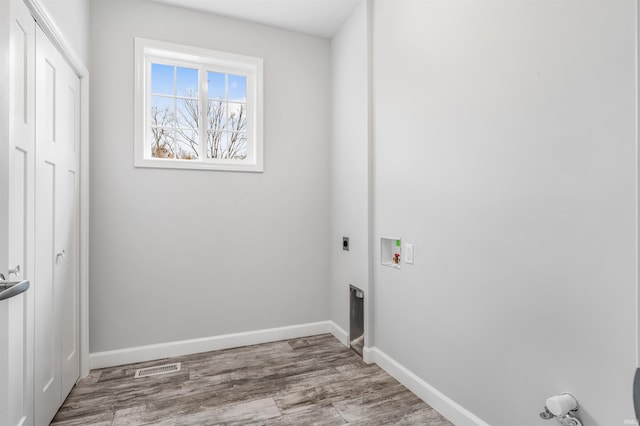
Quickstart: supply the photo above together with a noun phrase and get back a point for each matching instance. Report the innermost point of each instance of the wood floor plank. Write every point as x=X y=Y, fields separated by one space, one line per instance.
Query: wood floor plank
x=306 y=381
x=318 y=416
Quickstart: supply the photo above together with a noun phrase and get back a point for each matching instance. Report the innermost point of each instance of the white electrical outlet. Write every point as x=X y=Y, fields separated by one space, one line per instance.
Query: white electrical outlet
x=408 y=253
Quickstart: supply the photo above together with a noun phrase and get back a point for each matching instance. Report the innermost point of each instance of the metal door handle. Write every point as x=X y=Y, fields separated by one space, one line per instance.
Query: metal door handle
x=14 y=271
x=61 y=255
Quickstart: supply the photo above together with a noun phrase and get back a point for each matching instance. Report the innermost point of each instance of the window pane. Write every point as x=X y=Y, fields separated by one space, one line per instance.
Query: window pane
x=216 y=115
x=187 y=144
x=216 y=144
x=188 y=113
x=187 y=82
x=237 y=88
x=162 y=79
x=237 y=117
x=162 y=141
x=162 y=111
x=227 y=145
x=237 y=146
x=217 y=85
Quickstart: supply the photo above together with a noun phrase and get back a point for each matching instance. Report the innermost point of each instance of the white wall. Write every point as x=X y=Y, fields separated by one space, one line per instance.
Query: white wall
x=72 y=19
x=181 y=254
x=349 y=162
x=505 y=151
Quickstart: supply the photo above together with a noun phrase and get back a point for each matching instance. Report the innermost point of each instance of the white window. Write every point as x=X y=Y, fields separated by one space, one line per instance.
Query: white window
x=197 y=108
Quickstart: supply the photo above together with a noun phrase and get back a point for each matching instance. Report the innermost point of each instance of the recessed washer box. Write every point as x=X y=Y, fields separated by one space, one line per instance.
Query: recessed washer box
x=391 y=252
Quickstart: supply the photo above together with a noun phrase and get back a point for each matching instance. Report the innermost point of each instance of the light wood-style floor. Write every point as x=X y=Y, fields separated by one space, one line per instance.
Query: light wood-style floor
x=308 y=381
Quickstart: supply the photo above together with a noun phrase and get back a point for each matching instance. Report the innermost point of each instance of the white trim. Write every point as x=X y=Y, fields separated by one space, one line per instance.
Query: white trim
x=339 y=333
x=84 y=226
x=46 y=22
x=206 y=344
x=453 y=411
x=637 y=179
x=368 y=355
x=369 y=327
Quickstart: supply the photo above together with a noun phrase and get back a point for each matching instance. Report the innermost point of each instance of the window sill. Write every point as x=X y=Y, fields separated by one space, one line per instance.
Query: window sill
x=230 y=166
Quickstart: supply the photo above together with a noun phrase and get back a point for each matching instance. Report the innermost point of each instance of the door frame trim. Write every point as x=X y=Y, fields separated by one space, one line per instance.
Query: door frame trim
x=46 y=22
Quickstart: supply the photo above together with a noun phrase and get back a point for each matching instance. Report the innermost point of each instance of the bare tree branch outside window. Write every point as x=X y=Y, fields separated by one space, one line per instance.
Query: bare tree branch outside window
x=187 y=130
x=162 y=123
x=175 y=123
x=175 y=133
x=226 y=136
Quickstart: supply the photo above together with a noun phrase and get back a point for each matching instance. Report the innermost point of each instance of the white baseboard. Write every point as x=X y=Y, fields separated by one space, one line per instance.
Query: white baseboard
x=206 y=344
x=368 y=355
x=457 y=414
x=339 y=333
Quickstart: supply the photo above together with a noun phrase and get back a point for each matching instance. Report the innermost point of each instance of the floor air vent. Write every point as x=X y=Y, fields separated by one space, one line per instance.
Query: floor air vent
x=158 y=370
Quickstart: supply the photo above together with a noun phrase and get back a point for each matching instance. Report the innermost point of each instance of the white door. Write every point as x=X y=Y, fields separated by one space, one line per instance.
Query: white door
x=19 y=310
x=56 y=230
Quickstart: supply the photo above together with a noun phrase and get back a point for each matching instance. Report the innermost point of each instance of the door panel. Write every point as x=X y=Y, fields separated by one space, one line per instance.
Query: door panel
x=47 y=93
x=20 y=50
x=19 y=310
x=68 y=285
x=47 y=365
x=19 y=401
x=57 y=311
x=67 y=228
x=20 y=408
x=18 y=208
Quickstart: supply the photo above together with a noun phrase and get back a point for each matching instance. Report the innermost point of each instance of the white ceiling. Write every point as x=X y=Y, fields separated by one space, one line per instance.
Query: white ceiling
x=317 y=17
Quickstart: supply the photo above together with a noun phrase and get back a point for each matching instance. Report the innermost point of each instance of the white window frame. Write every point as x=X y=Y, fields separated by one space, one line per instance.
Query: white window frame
x=153 y=51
